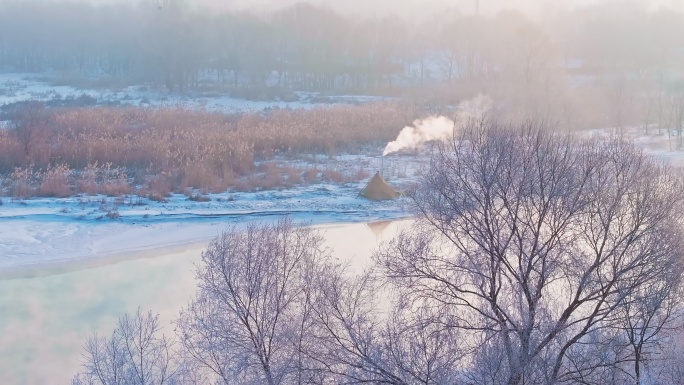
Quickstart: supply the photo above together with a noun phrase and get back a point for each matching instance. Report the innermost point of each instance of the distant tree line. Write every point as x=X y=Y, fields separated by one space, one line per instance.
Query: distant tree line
x=310 y=47
x=303 y=46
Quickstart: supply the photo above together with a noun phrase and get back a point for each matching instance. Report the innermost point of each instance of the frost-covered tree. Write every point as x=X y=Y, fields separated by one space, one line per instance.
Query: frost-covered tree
x=136 y=353
x=361 y=333
x=248 y=323
x=31 y=129
x=535 y=242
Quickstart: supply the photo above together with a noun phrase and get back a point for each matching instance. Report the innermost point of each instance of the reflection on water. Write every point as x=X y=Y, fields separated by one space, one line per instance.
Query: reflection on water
x=378 y=228
x=43 y=320
x=46 y=314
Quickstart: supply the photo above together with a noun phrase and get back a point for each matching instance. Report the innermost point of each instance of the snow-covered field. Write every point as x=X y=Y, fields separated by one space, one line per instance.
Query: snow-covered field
x=659 y=143
x=50 y=230
x=18 y=87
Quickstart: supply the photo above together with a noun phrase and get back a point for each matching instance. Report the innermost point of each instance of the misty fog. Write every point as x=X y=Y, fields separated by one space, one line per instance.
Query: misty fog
x=530 y=142
x=604 y=63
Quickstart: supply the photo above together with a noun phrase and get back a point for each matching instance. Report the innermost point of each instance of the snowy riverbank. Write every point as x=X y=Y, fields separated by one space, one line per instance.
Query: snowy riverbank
x=47 y=230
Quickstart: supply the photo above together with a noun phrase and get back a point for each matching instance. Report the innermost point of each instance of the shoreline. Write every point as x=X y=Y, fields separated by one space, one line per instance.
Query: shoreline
x=36 y=235
x=56 y=267
x=43 y=268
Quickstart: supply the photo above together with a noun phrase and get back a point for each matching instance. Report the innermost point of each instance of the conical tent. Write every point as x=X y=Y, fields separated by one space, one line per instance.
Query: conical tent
x=378 y=190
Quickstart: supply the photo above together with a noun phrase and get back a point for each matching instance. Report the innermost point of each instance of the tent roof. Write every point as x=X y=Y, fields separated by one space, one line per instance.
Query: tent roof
x=377 y=189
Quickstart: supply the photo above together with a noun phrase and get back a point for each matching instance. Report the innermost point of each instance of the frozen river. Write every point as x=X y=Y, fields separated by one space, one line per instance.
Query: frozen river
x=46 y=313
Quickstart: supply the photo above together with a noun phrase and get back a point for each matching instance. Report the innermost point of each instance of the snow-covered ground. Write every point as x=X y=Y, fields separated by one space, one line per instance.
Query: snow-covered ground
x=662 y=144
x=52 y=230
x=663 y=147
x=18 y=87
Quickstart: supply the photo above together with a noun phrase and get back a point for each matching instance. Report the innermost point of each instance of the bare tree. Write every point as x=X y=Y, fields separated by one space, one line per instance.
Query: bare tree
x=273 y=309
x=528 y=50
x=533 y=241
x=347 y=345
x=133 y=354
x=361 y=335
x=249 y=321
x=420 y=349
x=31 y=128
x=647 y=317
x=676 y=117
x=669 y=370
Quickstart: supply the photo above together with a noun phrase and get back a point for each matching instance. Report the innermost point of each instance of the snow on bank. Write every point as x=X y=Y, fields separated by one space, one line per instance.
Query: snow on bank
x=39 y=231
x=18 y=87
x=50 y=230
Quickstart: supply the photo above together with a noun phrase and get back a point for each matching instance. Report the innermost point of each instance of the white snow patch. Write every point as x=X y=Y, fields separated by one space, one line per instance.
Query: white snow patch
x=19 y=87
x=48 y=230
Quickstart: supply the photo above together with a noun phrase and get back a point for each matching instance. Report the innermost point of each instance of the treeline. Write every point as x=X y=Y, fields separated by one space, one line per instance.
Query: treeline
x=174 y=45
x=310 y=47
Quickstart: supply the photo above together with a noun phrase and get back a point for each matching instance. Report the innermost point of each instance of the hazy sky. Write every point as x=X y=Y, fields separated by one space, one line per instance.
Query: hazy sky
x=417 y=7
x=423 y=6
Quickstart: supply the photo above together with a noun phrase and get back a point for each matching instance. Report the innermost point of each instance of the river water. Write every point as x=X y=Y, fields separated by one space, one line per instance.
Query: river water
x=46 y=313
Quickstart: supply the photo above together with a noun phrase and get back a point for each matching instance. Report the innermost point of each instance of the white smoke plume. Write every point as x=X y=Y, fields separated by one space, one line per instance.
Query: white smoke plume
x=439 y=128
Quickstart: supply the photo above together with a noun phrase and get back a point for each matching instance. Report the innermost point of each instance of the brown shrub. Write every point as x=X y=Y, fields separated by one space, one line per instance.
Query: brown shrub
x=22 y=182
x=115 y=181
x=311 y=175
x=199 y=198
x=269 y=167
x=10 y=152
x=87 y=182
x=260 y=182
x=333 y=176
x=160 y=185
x=361 y=174
x=271 y=181
x=56 y=182
x=157 y=197
x=293 y=175
x=198 y=149
x=202 y=177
